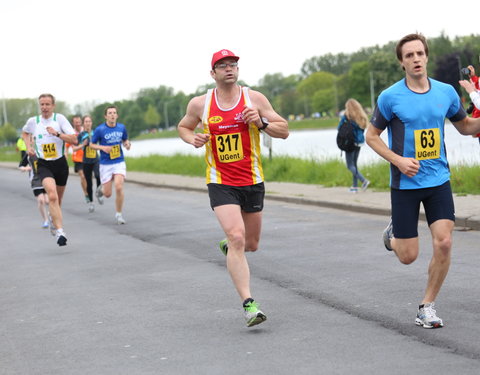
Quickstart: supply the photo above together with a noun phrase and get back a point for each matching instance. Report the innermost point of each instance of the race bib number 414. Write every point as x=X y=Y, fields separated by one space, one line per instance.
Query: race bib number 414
x=427 y=144
x=229 y=147
x=49 y=151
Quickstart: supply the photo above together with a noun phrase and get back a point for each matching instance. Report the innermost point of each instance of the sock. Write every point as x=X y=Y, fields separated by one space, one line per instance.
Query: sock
x=421 y=306
x=247 y=301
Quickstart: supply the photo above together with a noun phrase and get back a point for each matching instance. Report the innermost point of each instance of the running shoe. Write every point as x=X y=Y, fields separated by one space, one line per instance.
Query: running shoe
x=224 y=246
x=91 y=207
x=45 y=224
x=387 y=236
x=99 y=194
x=353 y=189
x=87 y=199
x=119 y=218
x=61 y=238
x=365 y=185
x=427 y=316
x=53 y=230
x=253 y=315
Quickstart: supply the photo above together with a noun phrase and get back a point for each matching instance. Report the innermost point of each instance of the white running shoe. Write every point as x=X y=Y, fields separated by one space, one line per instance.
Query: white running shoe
x=387 y=236
x=91 y=207
x=427 y=317
x=119 y=218
x=99 y=194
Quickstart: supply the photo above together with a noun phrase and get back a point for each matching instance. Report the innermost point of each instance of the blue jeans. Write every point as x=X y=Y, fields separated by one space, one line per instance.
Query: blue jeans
x=352 y=158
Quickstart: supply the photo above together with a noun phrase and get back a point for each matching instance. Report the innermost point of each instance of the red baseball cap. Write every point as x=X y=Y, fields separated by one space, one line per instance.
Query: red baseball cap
x=222 y=54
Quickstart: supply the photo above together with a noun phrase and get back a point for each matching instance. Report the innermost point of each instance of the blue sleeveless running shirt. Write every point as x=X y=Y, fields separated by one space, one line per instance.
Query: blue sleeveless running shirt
x=416 y=129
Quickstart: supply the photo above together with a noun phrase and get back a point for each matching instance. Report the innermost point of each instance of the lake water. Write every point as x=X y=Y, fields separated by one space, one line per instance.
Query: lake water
x=315 y=144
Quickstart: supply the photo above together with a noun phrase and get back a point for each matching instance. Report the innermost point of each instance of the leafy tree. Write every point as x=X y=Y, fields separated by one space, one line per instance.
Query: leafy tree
x=287 y=103
x=323 y=100
x=310 y=85
x=133 y=118
x=385 y=70
x=152 y=117
x=359 y=82
x=335 y=64
x=8 y=133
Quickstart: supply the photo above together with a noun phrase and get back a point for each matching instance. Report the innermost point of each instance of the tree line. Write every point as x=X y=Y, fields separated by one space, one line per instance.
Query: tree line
x=321 y=88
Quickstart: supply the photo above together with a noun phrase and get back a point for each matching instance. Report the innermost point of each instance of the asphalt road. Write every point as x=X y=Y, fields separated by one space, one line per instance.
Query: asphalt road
x=154 y=297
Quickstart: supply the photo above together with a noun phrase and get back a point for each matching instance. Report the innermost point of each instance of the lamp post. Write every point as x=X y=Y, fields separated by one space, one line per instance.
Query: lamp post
x=165 y=112
x=372 y=92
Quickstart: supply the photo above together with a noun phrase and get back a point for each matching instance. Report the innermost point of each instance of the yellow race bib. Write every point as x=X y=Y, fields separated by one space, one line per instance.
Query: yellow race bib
x=427 y=144
x=115 y=152
x=49 y=150
x=90 y=153
x=229 y=147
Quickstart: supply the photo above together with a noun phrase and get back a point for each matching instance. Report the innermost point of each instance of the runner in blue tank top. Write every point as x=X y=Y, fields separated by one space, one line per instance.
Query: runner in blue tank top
x=414 y=111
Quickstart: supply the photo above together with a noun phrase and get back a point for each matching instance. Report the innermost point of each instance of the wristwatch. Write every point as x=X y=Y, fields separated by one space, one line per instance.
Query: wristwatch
x=58 y=134
x=264 y=122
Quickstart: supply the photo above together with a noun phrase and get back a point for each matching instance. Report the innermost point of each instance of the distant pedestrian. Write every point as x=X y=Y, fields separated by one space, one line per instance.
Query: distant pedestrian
x=358 y=119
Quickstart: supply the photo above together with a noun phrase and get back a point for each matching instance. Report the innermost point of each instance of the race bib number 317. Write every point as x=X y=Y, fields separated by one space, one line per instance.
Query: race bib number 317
x=427 y=144
x=229 y=147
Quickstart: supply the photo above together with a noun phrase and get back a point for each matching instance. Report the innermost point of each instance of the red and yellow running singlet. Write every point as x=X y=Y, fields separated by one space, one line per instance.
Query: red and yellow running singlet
x=233 y=151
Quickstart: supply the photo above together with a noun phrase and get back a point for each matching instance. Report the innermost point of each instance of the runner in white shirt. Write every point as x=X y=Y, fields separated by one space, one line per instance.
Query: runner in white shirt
x=50 y=131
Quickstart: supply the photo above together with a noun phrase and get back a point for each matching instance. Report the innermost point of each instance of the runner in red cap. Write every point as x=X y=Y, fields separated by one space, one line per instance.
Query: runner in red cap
x=232 y=117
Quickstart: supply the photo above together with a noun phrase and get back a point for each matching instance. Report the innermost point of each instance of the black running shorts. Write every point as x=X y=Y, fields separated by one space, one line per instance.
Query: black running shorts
x=249 y=198
x=37 y=192
x=77 y=166
x=437 y=203
x=56 y=169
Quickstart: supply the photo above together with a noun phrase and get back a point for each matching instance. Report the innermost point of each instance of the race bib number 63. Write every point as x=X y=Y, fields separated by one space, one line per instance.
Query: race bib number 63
x=427 y=144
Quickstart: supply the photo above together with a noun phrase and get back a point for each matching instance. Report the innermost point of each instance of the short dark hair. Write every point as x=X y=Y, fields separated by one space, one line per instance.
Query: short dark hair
x=410 y=38
x=47 y=96
x=109 y=107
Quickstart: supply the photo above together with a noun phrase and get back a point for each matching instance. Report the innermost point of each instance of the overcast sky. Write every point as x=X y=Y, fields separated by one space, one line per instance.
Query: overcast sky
x=104 y=50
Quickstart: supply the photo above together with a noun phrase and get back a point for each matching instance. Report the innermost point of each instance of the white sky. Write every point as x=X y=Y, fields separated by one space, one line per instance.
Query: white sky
x=92 y=51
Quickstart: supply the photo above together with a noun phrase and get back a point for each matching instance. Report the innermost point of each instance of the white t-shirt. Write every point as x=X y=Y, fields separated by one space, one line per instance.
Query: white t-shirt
x=475 y=97
x=47 y=146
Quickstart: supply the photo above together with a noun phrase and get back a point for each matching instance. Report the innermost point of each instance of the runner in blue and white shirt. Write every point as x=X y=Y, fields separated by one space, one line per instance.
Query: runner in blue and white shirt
x=109 y=138
x=414 y=111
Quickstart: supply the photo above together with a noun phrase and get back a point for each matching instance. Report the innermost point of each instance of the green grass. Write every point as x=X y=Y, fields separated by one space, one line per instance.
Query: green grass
x=8 y=153
x=329 y=173
x=323 y=123
x=161 y=134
